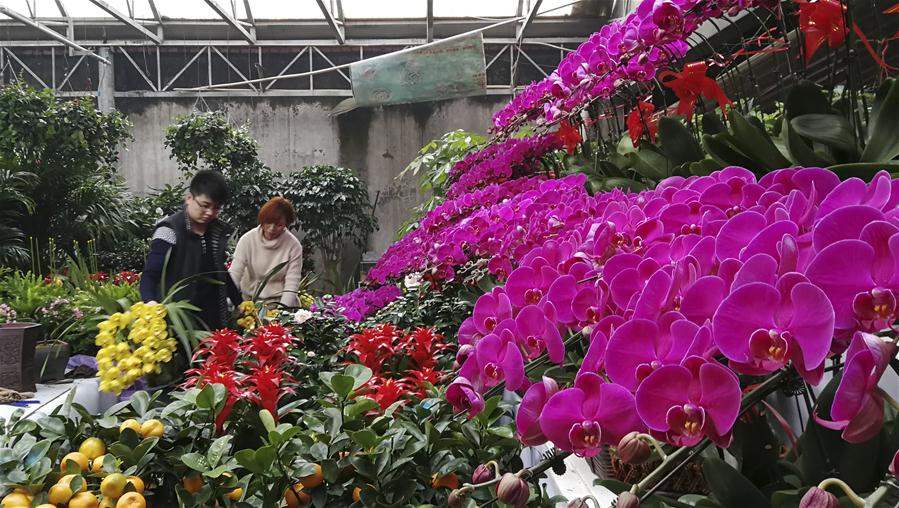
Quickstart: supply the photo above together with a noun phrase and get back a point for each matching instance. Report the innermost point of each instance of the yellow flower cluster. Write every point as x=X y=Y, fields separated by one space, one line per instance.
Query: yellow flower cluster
x=249 y=311
x=133 y=344
x=306 y=300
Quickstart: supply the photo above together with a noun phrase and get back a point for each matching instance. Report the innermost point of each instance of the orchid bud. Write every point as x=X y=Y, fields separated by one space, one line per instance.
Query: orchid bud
x=482 y=474
x=578 y=503
x=456 y=499
x=633 y=450
x=627 y=500
x=513 y=490
x=818 y=498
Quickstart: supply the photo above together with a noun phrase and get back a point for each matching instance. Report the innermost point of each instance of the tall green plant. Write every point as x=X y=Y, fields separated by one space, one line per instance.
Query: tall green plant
x=15 y=201
x=210 y=141
x=333 y=209
x=432 y=167
x=72 y=149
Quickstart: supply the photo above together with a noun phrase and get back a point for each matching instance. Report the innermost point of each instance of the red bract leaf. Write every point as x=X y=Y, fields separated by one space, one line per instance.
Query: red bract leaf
x=265 y=388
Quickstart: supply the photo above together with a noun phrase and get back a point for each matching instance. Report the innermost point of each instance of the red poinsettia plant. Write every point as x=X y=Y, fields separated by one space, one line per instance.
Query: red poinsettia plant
x=403 y=363
x=251 y=368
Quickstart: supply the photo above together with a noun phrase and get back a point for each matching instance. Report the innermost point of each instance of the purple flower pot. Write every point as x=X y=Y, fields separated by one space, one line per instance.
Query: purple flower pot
x=17 y=343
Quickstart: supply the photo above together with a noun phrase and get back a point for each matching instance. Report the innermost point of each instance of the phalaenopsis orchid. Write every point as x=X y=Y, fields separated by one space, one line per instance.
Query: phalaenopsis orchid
x=679 y=291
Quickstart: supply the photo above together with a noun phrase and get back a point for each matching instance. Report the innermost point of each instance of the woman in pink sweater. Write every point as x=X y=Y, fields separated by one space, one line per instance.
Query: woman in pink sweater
x=262 y=249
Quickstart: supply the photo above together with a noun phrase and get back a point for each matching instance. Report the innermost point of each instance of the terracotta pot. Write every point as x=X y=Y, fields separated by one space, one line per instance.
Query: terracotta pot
x=17 y=343
x=50 y=360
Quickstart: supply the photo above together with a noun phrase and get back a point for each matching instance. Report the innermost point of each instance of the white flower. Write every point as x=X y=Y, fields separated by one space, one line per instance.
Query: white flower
x=301 y=316
x=310 y=354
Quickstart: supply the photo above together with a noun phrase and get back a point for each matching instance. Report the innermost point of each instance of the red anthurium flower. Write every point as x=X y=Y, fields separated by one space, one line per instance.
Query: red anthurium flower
x=641 y=120
x=821 y=20
x=691 y=83
x=569 y=135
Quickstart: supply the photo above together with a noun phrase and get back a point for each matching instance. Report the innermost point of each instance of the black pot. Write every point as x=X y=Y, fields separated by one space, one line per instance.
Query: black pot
x=50 y=360
x=17 y=341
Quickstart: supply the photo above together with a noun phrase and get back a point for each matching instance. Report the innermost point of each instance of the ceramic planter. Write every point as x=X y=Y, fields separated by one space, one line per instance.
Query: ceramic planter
x=17 y=343
x=50 y=360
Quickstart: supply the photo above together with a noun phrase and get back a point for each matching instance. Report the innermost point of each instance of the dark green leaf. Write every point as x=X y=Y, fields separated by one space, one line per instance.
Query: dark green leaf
x=883 y=129
x=365 y=438
x=678 y=142
x=863 y=170
x=806 y=98
x=756 y=143
x=342 y=385
x=730 y=488
x=831 y=130
x=195 y=461
x=722 y=151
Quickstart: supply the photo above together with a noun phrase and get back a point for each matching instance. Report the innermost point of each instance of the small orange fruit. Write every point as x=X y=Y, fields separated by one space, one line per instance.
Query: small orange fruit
x=84 y=500
x=313 y=480
x=15 y=500
x=448 y=481
x=132 y=500
x=357 y=494
x=78 y=457
x=59 y=494
x=107 y=502
x=92 y=448
x=113 y=485
x=193 y=483
x=235 y=494
x=97 y=464
x=67 y=481
x=130 y=424
x=137 y=483
x=152 y=428
x=295 y=496
x=46 y=505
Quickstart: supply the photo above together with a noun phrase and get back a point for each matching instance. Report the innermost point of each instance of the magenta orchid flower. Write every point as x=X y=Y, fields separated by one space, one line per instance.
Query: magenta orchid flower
x=536 y=333
x=760 y=327
x=491 y=309
x=683 y=404
x=495 y=359
x=527 y=421
x=641 y=346
x=528 y=285
x=857 y=407
x=464 y=397
x=589 y=415
x=861 y=278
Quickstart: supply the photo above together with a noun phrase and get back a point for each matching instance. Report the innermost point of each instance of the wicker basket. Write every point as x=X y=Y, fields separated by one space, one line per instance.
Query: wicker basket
x=17 y=342
x=688 y=480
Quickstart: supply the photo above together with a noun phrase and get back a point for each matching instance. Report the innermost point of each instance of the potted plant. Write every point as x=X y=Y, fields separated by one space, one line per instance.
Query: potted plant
x=17 y=342
x=52 y=354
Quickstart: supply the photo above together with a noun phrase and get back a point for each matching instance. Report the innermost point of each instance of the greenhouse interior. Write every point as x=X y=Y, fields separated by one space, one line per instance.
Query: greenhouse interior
x=435 y=253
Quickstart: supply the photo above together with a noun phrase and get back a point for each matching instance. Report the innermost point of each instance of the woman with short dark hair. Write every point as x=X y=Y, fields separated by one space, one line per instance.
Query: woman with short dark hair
x=265 y=247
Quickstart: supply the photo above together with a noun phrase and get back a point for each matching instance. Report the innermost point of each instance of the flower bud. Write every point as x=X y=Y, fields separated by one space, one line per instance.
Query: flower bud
x=578 y=503
x=627 y=500
x=894 y=465
x=818 y=498
x=456 y=499
x=482 y=474
x=633 y=450
x=513 y=490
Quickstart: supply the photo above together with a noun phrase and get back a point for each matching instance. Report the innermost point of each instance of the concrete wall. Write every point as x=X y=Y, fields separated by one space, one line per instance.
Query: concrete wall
x=293 y=132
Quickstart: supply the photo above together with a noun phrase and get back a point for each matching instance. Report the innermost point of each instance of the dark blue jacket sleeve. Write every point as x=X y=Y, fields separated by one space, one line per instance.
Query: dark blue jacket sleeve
x=151 y=278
